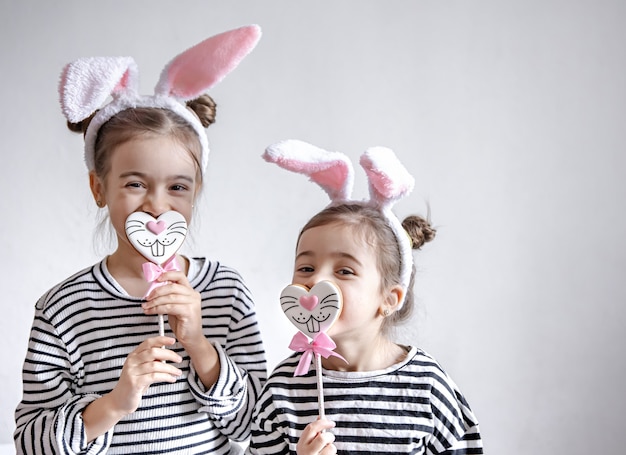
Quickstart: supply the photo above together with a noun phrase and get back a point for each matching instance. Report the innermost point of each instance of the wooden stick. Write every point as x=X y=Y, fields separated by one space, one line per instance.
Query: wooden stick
x=161 y=326
x=320 y=385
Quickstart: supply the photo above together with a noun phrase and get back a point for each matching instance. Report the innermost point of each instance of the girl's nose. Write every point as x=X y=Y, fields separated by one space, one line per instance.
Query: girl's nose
x=155 y=204
x=314 y=279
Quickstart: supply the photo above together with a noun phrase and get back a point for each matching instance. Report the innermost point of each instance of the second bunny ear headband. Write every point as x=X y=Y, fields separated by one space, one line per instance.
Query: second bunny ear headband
x=88 y=82
x=389 y=181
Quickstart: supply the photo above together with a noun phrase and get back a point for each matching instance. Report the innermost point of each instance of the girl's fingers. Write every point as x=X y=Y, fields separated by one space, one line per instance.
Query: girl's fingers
x=320 y=425
x=174 y=277
x=152 y=349
x=171 y=294
x=315 y=439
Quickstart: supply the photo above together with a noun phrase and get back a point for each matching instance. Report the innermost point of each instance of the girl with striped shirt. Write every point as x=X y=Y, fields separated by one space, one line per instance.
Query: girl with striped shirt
x=96 y=378
x=387 y=398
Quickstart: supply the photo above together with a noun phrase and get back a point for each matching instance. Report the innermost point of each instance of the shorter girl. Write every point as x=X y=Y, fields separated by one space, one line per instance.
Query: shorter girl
x=387 y=398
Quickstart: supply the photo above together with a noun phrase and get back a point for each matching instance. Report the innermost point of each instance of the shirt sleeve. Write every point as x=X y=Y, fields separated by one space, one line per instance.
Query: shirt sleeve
x=49 y=416
x=456 y=429
x=243 y=371
x=267 y=436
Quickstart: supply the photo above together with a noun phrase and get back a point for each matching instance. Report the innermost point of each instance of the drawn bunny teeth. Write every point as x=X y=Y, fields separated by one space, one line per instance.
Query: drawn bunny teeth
x=156 y=239
x=158 y=249
x=313 y=325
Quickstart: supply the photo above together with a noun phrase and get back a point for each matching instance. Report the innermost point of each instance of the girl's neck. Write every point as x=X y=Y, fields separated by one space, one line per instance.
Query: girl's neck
x=126 y=266
x=362 y=355
x=126 y=263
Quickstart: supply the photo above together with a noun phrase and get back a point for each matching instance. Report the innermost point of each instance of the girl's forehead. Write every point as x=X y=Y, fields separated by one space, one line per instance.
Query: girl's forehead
x=150 y=152
x=335 y=237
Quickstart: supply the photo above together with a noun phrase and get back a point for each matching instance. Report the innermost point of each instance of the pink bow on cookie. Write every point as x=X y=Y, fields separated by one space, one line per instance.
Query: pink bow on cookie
x=322 y=345
x=152 y=272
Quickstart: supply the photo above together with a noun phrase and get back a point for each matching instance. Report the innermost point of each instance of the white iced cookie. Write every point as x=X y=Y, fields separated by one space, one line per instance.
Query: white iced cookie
x=157 y=239
x=312 y=311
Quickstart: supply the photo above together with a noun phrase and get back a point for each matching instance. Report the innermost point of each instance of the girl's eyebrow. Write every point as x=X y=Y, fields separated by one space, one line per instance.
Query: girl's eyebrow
x=339 y=254
x=144 y=176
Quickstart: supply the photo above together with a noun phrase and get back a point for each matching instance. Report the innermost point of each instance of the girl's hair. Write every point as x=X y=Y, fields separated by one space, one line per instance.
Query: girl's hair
x=374 y=227
x=132 y=123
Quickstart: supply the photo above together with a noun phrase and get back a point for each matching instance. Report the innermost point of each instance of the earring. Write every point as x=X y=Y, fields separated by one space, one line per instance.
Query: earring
x=386 y=312
x=99 y=203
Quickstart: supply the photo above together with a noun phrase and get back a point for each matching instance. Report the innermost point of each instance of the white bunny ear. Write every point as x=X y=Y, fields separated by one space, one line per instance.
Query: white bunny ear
x=199 y=68
x=332 y=171
x=388 y=178
x=389 y=181
x=87 y=83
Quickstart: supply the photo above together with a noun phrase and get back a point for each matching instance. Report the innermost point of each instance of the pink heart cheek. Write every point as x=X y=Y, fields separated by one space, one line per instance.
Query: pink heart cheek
x=155 y=227
x=309 y=301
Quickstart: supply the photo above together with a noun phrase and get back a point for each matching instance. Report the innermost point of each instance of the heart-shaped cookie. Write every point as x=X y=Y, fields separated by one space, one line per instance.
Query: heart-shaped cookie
x=312 y=311
x=157 y=239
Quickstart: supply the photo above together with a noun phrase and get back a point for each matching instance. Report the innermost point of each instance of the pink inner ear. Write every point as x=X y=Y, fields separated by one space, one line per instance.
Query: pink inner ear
x=123 y=83
x=333 y=177
x=309 y=301
x=201 y=67
x=382 y=183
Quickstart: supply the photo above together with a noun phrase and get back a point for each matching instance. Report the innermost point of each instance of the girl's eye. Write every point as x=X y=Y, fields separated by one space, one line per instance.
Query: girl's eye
x=178 y=187
x=305 y=269
x=345 y=272
x=134 y=185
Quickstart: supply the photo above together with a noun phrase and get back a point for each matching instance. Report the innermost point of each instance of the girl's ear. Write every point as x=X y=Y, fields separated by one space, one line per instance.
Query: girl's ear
x=198 y=191
x=395 y=295
x=97 y=189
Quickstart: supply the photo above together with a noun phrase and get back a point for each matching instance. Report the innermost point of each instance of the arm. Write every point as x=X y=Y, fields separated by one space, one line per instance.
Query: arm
x=54 y=418
x=270 y=435
x=147 y=364
x=456 y=429
x=243 y=370
x=267 y=434
x=48 y=419
x=216 y=324
x=236 y=337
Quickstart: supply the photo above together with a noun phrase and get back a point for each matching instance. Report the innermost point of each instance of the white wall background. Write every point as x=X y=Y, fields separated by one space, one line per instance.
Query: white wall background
x=510 y=114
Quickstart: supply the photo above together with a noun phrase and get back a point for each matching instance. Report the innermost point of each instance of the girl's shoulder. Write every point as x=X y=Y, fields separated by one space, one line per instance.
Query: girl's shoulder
x=422 y=363
x=82 y=280
x=214 y=280
x=203 y=271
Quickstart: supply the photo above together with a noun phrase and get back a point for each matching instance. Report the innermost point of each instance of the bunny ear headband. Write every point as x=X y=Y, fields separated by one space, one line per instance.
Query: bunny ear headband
x=88 y=82
x=388 y=179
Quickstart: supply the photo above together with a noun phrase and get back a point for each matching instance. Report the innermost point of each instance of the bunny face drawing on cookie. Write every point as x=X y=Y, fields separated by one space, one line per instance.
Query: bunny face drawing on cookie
x=312 y=311
x=157 y=239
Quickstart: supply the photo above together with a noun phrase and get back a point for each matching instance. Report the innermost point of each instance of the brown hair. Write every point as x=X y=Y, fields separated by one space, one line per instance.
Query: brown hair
x=132 y=123
x=370 y=223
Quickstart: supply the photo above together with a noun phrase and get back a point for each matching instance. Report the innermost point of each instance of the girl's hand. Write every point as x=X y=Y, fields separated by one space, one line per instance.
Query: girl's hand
x=181 y=303
x=142 y=368
x=314 y=440
x=183 y=307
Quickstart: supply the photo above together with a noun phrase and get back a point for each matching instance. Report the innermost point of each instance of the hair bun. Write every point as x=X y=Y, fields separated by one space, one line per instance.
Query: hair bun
x=205 y=108
x=419 y=230
x=81 y=125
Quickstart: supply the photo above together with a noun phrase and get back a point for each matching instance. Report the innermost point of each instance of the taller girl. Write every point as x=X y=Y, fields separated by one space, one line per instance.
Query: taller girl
x=95 y=378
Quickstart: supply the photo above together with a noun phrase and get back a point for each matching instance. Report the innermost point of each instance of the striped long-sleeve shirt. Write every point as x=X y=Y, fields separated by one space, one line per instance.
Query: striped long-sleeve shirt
x=412 y=407
x=83 y=330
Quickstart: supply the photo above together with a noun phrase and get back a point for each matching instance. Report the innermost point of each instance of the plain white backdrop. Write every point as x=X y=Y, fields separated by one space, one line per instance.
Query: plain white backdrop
x=510 y=115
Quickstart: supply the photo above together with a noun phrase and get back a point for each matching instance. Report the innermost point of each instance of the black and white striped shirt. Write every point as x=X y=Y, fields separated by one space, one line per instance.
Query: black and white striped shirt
x=412 y=407
x=83 y=330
